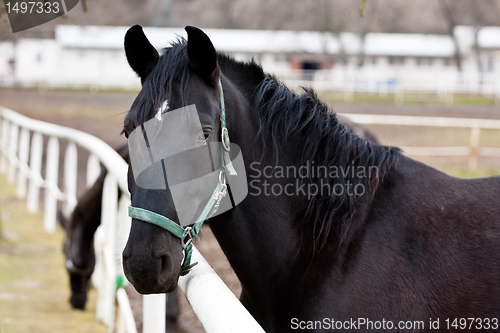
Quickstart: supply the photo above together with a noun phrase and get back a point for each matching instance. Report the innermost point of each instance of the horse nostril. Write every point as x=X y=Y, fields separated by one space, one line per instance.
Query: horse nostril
x=78 y=300
x=126 y=253
x=166 y=266
x=126 y=268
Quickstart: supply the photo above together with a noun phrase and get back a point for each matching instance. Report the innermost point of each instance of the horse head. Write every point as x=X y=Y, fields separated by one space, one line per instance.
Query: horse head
x=186 y=74
x=80 y=258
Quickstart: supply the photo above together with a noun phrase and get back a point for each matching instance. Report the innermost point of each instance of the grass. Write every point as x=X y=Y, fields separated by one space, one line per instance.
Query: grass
x=466 y=173
x=328 y=96
x=34 y=286
x=408 y=98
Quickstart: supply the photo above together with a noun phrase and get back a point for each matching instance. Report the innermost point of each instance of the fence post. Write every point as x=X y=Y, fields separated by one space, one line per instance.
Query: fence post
x=99 y=274
x=93 y=170
x=5 y=145
x=70 y=174
x=153 y=313
x=122 y=228
x=497 y=94
x=51 y=186
x=13 y=145
x=474 y=147
x=108 y=222
x=448 y=98
x=399 y=97
x=35 y=177
x=348 y=95
x=127 y=317
x=24 y=150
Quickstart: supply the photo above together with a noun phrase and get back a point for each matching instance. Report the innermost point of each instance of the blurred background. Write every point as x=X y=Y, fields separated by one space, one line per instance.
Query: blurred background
x=438 y=47
x=429 y=58
x=426 y=57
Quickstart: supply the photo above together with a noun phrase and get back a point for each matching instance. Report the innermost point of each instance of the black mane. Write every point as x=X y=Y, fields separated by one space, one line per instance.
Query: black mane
x=326 y=143
x=282 y=114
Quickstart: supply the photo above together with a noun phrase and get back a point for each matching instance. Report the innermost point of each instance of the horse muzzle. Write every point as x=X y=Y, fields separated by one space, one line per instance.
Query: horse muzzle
x=151 y=269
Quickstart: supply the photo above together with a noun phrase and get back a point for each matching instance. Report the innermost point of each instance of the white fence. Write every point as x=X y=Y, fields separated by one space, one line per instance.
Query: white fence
x=444 y=83
x=473 y=150
x=21 y=159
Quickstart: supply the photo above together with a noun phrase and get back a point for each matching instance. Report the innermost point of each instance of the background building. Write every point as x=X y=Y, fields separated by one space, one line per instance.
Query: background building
x=93 y=56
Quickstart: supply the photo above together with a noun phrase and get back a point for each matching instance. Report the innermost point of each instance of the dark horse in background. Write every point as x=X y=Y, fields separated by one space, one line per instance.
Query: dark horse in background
x=78 y=246
x=416 y=245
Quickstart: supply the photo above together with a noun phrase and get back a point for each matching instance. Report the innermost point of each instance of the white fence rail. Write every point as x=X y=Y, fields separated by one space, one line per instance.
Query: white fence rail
x=444 y=83
x=473 y=150
x=21 y=159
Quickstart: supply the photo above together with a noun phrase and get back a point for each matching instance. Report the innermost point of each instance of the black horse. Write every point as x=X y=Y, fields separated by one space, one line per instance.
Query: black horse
x=389 y=245
x=78 y=247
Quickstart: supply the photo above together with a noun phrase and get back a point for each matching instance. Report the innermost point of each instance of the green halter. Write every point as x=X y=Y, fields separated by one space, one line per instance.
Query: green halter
x=187 y=234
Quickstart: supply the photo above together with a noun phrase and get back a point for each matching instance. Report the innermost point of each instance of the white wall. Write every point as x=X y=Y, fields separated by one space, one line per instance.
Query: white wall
x=102 y=67
x=6 y=54
x=37 y=61
x=43 y=61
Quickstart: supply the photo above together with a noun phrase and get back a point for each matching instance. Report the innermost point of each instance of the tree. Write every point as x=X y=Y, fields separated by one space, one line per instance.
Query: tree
x=447 y=10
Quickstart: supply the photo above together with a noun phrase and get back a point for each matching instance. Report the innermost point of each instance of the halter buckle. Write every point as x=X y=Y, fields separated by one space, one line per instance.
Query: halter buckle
x=218 y=197
x=189 y=241
x=225 y=139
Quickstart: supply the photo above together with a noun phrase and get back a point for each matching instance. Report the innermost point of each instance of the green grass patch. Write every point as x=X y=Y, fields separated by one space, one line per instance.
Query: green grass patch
x=466 y=173
x=476 y=100
x=408 y=98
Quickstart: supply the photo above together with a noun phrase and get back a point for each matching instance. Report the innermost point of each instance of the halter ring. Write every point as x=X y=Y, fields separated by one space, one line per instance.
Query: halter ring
x=225 y=138
x=222 y=177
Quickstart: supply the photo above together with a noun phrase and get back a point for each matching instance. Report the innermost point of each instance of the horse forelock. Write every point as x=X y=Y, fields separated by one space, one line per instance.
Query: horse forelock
x=172 y=70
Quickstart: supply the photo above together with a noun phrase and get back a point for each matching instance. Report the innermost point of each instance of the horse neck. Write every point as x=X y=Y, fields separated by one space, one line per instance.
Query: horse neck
x=271 y=240
x=259 y=236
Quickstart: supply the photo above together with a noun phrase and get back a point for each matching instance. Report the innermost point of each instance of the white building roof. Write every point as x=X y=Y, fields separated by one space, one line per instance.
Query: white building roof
x=267 y=41
x=250 y=41
x=489 y=37
x=409 y=45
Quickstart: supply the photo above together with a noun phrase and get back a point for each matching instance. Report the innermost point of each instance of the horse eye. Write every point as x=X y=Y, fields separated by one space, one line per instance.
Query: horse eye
x=205 y=135
x=124 y=132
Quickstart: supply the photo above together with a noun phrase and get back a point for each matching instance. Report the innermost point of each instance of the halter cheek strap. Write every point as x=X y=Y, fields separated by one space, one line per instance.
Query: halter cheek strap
x=226 y=144
x=187 y=234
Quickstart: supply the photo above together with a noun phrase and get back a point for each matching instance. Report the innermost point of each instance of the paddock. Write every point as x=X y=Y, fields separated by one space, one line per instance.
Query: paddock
x=102 y=115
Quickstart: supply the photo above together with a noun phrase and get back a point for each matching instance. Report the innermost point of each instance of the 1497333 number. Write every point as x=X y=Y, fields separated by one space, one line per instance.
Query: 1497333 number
x=472 y=323
x=33 y=7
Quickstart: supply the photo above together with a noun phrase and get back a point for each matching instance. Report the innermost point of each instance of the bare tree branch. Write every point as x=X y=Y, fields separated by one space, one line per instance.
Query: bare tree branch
x=362 y=9
x=447 y=11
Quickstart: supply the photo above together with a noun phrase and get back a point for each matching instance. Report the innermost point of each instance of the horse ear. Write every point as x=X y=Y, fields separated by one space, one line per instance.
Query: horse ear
x=201 y=53
x=141 y=55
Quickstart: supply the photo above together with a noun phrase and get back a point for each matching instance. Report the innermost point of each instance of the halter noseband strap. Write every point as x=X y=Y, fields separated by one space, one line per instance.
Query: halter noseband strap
x=187 y=234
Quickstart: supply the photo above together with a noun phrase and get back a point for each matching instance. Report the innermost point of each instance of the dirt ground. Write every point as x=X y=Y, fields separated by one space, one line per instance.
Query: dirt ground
x=34 y=289
x=102 y=115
